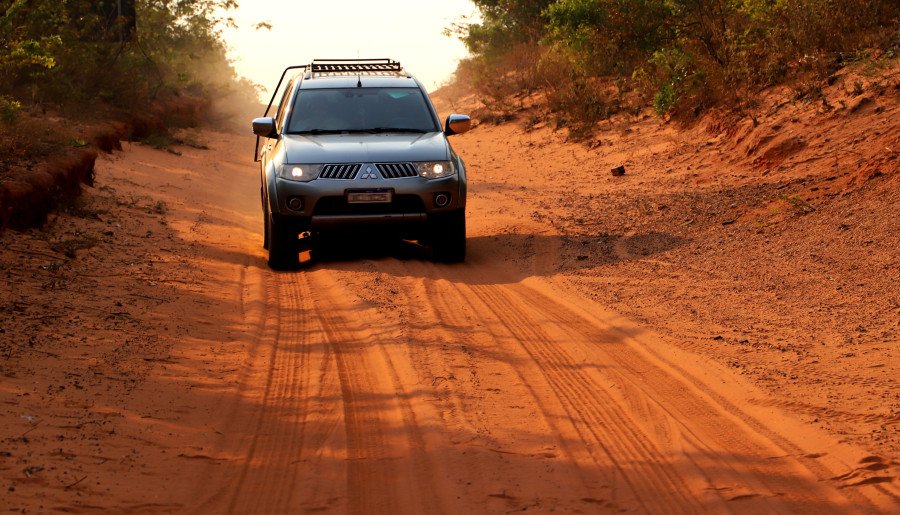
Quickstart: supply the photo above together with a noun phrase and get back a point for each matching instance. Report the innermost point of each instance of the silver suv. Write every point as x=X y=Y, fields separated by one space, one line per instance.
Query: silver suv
x=356 y=145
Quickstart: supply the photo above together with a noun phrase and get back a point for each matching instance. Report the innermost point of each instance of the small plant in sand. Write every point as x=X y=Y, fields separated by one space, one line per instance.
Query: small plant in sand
x=160 y=208
x=798 y=205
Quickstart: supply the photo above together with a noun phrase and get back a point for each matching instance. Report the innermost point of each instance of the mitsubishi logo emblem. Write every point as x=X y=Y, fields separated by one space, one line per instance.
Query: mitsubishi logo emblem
x=368 y=174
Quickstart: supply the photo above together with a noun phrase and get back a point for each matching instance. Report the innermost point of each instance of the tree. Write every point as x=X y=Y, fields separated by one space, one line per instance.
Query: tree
x=120 y=51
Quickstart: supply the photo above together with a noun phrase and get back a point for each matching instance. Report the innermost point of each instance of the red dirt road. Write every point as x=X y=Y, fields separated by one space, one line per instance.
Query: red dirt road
x=164 y=368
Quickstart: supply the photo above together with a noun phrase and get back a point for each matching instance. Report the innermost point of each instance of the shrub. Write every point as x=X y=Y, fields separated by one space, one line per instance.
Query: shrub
x=9 y=109
x=665 y=99
x=680 y=56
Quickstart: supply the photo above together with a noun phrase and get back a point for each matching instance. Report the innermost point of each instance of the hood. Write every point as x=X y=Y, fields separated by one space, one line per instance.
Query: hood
x=365 y=148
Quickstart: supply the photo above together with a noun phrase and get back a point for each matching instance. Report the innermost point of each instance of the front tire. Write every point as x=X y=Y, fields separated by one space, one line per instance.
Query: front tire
x=282 y=243
x=265 y=213
x=265 y=231
x=448 y=238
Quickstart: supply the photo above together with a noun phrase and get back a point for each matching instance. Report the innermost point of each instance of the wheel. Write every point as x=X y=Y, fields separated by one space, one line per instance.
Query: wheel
x=448 y=238
x=282 y=241
x=266 y=231
x=265 y=219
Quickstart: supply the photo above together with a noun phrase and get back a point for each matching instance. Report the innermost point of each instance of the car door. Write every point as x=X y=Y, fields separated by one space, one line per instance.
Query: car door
x=269 y=148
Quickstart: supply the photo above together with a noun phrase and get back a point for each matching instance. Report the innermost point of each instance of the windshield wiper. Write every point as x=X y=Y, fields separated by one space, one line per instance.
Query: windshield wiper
x=319 y=131
x=374 y=130
x=396 y=129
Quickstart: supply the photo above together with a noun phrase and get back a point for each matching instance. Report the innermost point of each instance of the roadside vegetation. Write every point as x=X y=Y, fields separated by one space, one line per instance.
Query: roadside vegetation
x=72 y=55
x=76 y=74
x=595 y=58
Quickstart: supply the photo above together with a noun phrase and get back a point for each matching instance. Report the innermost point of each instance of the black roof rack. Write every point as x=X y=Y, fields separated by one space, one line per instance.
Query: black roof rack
x=355 y=67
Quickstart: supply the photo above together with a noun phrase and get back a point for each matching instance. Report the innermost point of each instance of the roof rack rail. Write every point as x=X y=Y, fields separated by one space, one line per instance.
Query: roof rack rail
x=283 y=74
x=355 y=67
x=272 y=101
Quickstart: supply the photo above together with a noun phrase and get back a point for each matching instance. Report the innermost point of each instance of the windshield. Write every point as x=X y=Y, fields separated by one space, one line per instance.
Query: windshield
x=360 y=110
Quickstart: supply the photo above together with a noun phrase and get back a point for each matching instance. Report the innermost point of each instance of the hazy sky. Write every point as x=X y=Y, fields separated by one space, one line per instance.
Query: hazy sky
x=410 y=31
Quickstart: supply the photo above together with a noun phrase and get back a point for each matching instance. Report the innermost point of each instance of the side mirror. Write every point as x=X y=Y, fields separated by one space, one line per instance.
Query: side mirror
x=265 y=127
x=457 y=124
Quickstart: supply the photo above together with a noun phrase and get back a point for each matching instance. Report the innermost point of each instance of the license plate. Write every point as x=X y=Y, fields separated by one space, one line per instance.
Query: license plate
x=369 y=197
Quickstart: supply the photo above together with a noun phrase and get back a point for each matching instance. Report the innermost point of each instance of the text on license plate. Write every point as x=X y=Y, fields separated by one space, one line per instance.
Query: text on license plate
x=364 y=197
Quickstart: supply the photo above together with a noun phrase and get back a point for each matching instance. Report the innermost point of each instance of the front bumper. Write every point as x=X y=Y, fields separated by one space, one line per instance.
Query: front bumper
x=324 y=201
x=341 y=221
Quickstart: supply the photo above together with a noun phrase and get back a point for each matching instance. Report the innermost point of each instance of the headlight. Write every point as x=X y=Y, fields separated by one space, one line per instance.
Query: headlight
x=303 y=173
x=436 y=169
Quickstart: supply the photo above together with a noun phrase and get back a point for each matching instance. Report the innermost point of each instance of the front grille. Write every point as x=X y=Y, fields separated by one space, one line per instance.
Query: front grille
x=340 y=171
x=401 y=204
x=396 y=170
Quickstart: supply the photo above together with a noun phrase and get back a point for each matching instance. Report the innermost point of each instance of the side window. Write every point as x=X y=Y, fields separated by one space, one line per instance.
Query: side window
x=283 y=106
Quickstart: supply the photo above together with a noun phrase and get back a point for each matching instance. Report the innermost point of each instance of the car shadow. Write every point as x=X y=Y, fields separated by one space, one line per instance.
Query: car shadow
x=519 y=255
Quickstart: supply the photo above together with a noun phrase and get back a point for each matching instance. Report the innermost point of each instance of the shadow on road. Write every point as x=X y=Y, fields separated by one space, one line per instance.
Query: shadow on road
x=495 y=259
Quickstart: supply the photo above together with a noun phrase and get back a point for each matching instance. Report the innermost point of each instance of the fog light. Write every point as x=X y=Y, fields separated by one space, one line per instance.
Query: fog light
x=442 y=200
x=295 y=203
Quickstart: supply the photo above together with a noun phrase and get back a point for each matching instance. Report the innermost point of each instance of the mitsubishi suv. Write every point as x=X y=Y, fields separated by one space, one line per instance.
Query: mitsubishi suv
x=356 y=146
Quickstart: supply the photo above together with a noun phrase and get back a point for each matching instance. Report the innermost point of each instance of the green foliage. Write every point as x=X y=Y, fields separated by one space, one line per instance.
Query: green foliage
x=665 y=99
x=9 y=109
x=607 y=36
x=505 y=23
x=680 y=56
x=575 y=22
x=678 y=80
x=69 y=53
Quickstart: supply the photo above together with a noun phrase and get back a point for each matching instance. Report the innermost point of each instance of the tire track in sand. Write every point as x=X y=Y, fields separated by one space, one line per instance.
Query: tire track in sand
x=260 y=316
x=640 y=474
x=388 y=469
x=455 y=314
x=739 y=458
x=713 y=425
x=319 y=369
x=266 y=481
